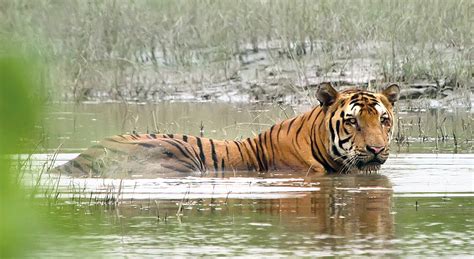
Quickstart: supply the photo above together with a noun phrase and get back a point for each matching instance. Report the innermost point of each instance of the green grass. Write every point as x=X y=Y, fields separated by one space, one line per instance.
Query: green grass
x=123 y=48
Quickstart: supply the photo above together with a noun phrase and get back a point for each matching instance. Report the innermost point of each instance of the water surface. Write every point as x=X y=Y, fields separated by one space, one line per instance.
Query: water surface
x=77 y=126
x=421 y=202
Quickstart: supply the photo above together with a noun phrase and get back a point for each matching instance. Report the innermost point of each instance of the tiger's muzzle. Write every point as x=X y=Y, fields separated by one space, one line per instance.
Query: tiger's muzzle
x=371 y=159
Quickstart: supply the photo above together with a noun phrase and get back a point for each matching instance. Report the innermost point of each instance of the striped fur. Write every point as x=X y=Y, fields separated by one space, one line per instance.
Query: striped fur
x=340 y=135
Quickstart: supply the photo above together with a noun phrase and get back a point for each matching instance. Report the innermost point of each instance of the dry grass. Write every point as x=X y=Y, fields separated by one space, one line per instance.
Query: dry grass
x=147 y=49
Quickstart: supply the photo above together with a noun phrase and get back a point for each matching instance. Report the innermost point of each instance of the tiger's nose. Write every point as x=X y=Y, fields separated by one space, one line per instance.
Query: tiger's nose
x=374 y=149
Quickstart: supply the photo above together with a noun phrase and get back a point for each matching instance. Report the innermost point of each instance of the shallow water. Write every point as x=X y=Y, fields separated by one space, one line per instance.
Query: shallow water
x=414 y=206
x=420 y=204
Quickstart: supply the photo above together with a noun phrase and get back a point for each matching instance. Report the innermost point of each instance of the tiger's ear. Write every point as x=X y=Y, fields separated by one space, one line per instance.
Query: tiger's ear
x=326 y=94
x=392 y=92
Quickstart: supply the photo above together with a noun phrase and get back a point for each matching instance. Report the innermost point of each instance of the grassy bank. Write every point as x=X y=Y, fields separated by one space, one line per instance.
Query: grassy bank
x=151 y=49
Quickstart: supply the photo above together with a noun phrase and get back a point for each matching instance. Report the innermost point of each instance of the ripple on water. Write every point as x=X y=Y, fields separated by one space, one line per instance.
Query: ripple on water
x=414 y=207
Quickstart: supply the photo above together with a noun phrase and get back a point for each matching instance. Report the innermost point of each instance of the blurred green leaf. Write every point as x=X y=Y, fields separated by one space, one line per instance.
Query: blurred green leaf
x=19 y=111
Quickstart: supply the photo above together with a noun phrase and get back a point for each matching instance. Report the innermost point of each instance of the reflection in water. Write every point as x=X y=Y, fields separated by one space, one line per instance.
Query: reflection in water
x=349 y=213
x=345 y=206
x=346 y=215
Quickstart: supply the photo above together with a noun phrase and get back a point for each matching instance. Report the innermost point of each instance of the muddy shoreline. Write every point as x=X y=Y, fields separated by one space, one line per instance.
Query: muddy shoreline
x=269 y=75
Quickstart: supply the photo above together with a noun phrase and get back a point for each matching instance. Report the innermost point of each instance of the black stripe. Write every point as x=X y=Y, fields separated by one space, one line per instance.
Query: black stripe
x=298 y=133
x=259 y=159
x=222 y=165
x=316 y=155
x=227 y=150
x=355 y=96
x=344 y=141
x=153 y=135
x=67 y=168
x=369 y=95
x=371 y=100
x=178 y=145
x=355 y=102
x=312 y=112
x=263 y=156
x=213 y=154
x=122 y=136
x=314 y=123
x=202 y=166
x=78 y=165
x=260 y=166
x=174 y=168
x=371 y=109
x=335 y=151
x=250 y=167
x=170 y=135
x=271 y=146
x=146 y=145
x=278 y=132
x=185 y=138
x=201 y=152
x=345 y=130
x=187 y=165
x=333 y=135
x=331 y=130
x=90 y=159
x=289 y=125
x=338 y=126
x=240 y=151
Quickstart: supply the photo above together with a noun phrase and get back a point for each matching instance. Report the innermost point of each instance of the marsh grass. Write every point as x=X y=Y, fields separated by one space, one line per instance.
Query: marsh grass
x=435 y=130
x=148 y=49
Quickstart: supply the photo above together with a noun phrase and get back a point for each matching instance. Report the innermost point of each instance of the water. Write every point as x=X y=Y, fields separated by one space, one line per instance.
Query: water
x=421 y=203
x=75 y=127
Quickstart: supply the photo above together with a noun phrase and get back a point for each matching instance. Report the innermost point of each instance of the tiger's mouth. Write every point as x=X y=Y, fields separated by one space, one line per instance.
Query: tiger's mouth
x=369 y=166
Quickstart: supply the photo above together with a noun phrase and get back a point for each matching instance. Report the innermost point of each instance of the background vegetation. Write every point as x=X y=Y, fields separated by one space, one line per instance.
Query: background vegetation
x=150 y=49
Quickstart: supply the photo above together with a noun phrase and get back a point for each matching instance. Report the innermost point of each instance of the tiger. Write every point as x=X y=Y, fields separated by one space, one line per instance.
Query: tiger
x=348 y=132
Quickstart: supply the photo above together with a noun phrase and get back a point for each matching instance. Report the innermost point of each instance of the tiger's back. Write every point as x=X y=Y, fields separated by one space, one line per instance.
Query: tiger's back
x=175 y=154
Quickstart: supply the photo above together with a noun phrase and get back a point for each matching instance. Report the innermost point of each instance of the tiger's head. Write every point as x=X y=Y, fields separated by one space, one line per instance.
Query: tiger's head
x=359 y=124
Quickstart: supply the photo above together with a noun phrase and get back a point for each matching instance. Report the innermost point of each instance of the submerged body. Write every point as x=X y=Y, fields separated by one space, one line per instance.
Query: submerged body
x=349 y=131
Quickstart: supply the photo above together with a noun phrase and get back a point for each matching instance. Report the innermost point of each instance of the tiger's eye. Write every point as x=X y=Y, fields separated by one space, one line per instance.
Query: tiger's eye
x=351 y=121
x=385 y=121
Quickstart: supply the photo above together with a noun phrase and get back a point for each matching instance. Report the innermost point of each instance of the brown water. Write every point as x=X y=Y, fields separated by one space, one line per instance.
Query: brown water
x=420 y=204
